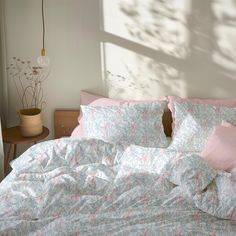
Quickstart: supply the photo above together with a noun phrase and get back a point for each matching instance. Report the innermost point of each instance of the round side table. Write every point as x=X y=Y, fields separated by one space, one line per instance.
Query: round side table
x=13 y=137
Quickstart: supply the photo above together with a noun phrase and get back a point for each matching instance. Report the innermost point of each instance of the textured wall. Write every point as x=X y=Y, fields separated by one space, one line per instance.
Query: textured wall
x=179 y=47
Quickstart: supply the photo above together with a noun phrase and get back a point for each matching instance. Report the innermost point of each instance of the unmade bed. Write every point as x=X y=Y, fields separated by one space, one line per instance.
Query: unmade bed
x=138 y=186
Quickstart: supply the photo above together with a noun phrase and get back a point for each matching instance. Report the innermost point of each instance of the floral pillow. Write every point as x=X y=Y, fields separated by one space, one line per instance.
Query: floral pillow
x=194 y=123
x=87 y=98
x=219 y=199
x=191 y=171
x=139 y=124
x=224 y=102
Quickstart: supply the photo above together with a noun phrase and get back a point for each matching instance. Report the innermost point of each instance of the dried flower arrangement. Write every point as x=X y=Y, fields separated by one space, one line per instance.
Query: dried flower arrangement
x=28 y=81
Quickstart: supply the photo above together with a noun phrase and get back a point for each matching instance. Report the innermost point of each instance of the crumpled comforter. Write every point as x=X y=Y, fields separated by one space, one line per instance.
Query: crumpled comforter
x=89 y=187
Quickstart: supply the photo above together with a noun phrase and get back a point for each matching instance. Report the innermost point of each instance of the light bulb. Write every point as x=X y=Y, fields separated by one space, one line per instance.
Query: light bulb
x=43 y=60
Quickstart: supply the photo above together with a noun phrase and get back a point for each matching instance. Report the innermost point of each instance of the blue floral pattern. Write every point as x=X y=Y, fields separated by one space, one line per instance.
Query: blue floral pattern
x=194 y=123
x=191 y=171
x=145 y=159
x=139 y=124
x=219 y=199
x=73 y=187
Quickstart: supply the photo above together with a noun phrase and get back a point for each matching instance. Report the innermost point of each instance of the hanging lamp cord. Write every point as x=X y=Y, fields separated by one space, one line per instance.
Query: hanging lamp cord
x=43 y=22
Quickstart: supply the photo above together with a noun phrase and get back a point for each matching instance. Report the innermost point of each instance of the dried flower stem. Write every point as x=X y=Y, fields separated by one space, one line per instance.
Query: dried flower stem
x=28 y=82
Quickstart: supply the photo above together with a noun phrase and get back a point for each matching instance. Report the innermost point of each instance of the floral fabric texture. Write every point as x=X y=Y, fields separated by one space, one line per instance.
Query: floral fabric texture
x=194 y=123
x=142 y=159
x=191 y=171
x=139 y=124
x=219 y=199
x=74 y=187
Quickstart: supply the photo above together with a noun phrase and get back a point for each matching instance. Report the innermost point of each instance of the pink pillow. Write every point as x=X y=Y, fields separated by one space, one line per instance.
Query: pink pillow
x=87 y=98
x=226 y=102
x=96 y=100
x=78 y=132
x=220 y=149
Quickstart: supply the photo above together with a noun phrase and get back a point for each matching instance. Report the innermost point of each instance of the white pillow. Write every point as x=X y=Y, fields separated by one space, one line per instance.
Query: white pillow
x=139 y=124
x=194 y=123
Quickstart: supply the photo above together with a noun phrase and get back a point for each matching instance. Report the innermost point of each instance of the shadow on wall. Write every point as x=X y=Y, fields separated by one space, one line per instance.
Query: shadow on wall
x=154 y=48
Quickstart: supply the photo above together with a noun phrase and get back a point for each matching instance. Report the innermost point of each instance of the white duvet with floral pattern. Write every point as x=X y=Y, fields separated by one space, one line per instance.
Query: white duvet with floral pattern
x=84 y=187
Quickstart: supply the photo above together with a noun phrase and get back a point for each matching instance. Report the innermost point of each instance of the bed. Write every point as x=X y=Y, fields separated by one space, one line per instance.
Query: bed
x=89 y=186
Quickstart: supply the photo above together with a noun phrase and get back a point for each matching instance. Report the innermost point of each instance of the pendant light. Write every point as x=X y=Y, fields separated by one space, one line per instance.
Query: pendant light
x=43 y=59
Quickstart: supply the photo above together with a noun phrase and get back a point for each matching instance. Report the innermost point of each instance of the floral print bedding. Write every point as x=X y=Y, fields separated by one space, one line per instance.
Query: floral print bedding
x=194 y=124
x=77 y=187
x=139 y=124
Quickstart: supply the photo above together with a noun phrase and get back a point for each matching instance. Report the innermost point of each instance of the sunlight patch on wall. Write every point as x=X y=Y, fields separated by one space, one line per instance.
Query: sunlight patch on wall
x=160 y=25
x=129 y=75
x=224 y=54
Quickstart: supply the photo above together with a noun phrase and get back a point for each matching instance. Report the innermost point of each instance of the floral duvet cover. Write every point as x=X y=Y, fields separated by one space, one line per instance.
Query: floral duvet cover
x=89 y=187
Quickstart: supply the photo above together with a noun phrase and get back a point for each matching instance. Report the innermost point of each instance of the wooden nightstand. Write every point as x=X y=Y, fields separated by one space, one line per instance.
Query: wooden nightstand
x=64 y=122
x=13 y=137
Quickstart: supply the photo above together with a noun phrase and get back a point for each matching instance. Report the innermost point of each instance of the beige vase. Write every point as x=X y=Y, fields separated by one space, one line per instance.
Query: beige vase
x=31 y=123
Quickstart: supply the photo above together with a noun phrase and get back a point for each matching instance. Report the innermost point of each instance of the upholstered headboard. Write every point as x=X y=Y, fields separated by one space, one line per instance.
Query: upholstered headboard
x=66 y=120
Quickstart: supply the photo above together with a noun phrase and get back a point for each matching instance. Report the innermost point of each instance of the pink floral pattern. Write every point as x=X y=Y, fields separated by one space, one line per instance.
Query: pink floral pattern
x=191 y=171
x=194 y=124
x=67 y=187
x=139 y=124
x=219 y=199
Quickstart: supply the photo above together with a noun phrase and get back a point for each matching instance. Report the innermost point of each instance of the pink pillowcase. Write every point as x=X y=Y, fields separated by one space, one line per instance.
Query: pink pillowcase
x=96 y=100
x=220 y=149
x=226 y=102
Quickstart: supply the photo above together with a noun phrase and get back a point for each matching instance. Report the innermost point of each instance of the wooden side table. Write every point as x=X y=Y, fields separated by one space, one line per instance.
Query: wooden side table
x=13 y=137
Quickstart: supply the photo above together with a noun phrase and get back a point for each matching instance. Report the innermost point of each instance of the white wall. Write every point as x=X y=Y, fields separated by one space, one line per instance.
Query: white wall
x=71 y=42
x=3 y=86
x=1 y=154
x=150 y=61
